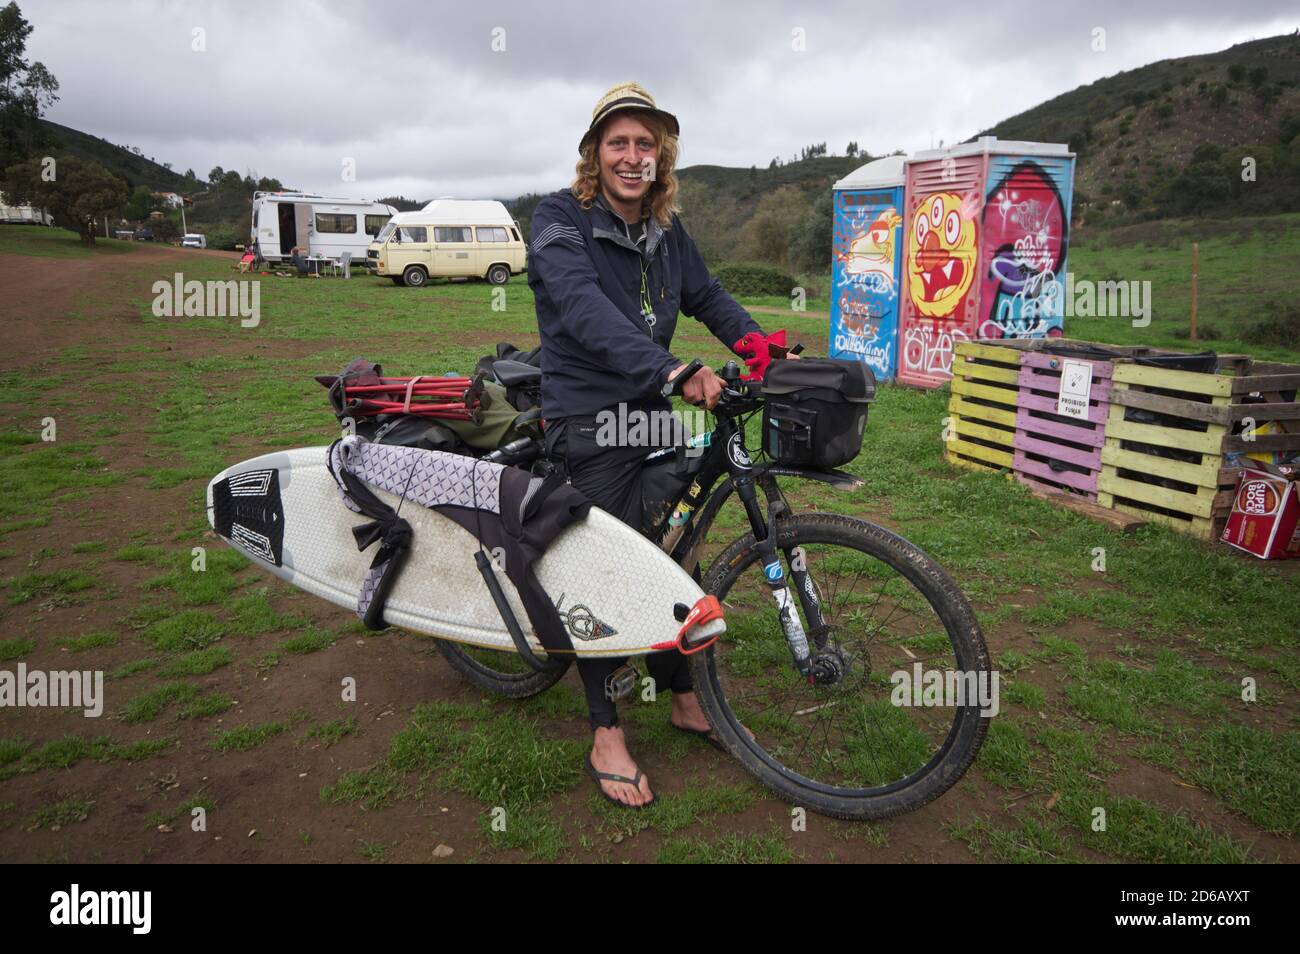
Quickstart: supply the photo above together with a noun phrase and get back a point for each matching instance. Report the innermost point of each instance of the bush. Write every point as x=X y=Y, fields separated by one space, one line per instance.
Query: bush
x=749 y=279
x=223 y=237
x=1279 y=326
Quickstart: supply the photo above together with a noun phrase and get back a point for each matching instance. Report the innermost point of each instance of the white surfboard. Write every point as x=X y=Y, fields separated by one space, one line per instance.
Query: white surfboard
x=614 y=589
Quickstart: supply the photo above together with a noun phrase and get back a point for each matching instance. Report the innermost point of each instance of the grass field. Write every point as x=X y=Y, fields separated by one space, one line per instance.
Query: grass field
x=1122 y=689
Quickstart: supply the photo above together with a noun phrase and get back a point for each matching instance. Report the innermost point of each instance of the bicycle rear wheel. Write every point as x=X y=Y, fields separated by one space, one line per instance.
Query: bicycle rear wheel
x=501 y=673
x=845 y=744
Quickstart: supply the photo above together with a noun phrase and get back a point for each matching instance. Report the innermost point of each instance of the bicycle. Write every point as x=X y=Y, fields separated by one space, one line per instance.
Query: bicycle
x=806 y=674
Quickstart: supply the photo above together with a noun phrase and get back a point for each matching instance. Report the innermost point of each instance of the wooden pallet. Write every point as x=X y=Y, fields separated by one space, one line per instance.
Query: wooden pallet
x=985 y=384
x=1189 y=485
x=1055 y=452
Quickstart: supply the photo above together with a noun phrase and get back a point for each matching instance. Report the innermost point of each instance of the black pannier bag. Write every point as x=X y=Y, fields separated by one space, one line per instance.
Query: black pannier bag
x=664 y=476
x=816 y=410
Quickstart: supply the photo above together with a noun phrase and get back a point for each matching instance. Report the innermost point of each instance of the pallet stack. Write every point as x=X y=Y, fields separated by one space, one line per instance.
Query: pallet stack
x=1055 y=452
x=1160 y=444
x=985 y=388
x=1174 y=438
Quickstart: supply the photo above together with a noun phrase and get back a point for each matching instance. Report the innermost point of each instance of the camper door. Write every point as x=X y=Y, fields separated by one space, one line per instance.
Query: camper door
x=302 y=221
x=453 y=251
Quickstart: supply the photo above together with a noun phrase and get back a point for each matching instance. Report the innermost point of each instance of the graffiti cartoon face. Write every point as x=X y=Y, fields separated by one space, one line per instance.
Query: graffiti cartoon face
x=941 y=254
x=872 y=251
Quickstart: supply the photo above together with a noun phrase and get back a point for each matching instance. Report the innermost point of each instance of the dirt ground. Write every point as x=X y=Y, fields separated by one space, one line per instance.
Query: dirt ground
x=268 y=799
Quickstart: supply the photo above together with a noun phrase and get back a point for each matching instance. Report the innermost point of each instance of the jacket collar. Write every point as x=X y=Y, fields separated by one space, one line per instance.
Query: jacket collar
x=616 y=230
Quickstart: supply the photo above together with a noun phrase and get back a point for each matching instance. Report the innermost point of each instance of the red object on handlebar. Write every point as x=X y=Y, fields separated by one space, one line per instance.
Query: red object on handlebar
x=758 y=350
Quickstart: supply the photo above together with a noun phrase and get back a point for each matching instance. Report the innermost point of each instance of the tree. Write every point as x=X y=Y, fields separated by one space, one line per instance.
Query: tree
x=1235 y=72
x=216 y=174
x=189 y=174
x=26 y=90
x=139 y=205
x=166 y=229
x=851 y=149
x=766 y=236
x=79 y=192
x=810 y=241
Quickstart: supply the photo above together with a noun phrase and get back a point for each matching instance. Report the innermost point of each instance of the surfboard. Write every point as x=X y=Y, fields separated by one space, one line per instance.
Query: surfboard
x=614 y=590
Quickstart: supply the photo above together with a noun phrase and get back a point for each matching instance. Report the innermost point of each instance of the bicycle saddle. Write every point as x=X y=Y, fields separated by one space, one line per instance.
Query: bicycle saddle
x=513 y=374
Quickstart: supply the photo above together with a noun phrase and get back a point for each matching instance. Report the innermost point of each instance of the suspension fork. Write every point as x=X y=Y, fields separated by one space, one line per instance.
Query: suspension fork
x=809 y=599
x=764 y=527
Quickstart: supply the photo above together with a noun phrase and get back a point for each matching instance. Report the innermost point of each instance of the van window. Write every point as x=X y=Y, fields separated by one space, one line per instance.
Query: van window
x=412 y=233
x=385 y=232
x=336 y=223
x=515 y=233
x=452 y=234
x=376 y=222
x=492 y=234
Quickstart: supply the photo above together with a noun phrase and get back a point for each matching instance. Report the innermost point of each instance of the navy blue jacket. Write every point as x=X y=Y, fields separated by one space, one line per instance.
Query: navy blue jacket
x=585 y=271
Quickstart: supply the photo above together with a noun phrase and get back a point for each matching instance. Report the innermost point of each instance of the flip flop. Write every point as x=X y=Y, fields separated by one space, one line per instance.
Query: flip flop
x=611 y=777
x=705 y=734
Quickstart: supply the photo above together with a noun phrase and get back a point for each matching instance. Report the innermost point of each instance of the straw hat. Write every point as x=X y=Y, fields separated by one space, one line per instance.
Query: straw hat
x=625 y=96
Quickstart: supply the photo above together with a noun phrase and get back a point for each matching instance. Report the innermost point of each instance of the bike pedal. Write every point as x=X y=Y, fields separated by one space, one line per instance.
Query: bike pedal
x=621 y=683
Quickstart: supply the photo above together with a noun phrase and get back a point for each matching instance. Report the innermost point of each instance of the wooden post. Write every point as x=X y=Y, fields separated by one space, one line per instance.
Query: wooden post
x=1196 y=248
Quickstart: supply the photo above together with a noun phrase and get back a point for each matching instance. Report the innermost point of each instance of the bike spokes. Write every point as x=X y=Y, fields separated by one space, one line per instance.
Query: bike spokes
x=842 y=725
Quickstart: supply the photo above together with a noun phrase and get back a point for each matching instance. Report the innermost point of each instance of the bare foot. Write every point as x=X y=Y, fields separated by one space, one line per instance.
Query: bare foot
x=609 y=754
x=687 y=714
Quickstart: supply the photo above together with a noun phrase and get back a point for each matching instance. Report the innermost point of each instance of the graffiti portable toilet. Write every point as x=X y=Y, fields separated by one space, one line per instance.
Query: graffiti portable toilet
x=985 y=235
x=865 y=265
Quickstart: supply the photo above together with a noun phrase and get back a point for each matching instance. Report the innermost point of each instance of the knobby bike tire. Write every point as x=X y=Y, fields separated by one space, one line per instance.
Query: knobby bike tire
x=519 y=682
x=945 y=598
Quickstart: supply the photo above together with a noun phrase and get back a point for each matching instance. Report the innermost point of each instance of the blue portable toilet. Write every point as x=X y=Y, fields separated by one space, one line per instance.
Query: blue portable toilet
x=865 y=265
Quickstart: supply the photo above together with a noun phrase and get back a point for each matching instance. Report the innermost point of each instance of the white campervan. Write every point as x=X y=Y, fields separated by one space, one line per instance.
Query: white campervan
x=449 y=238
x=320 y=224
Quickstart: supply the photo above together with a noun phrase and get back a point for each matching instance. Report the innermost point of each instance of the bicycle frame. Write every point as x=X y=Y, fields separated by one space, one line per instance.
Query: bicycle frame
x=683 y=534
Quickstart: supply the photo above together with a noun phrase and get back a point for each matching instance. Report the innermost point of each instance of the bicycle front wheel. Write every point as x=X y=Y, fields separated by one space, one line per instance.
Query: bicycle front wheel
x=846 y=740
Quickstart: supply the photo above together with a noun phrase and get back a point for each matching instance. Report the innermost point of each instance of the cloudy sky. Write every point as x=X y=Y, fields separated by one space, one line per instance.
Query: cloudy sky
x=486 y=99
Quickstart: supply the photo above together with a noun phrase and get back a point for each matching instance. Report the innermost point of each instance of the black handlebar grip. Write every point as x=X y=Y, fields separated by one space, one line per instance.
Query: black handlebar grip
x=674 y=386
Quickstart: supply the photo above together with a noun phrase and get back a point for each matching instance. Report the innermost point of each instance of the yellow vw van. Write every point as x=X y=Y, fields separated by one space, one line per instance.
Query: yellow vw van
x=449 y=238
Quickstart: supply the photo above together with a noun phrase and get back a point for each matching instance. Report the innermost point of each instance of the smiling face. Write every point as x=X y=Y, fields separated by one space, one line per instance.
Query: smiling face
x=940 y=254
x=627 y=155
x=872 y=251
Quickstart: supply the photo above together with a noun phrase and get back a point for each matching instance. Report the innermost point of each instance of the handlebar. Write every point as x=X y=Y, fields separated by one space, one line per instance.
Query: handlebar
x=673 y=386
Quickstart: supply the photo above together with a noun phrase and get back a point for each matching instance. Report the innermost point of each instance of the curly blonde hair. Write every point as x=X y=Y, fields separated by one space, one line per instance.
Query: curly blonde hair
x=660 y=200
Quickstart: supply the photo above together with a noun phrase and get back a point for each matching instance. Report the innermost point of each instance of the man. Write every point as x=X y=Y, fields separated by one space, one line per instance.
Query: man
x=611 y=266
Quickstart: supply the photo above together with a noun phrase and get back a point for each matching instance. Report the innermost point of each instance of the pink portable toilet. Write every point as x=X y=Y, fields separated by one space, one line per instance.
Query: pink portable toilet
x=985 y=236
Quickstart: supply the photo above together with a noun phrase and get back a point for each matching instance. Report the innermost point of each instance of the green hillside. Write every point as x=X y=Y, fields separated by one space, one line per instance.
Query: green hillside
x=1169 y=138
x=135 y=169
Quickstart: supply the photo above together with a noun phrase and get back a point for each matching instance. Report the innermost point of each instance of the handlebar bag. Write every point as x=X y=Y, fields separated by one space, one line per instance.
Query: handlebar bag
x=816 y=411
